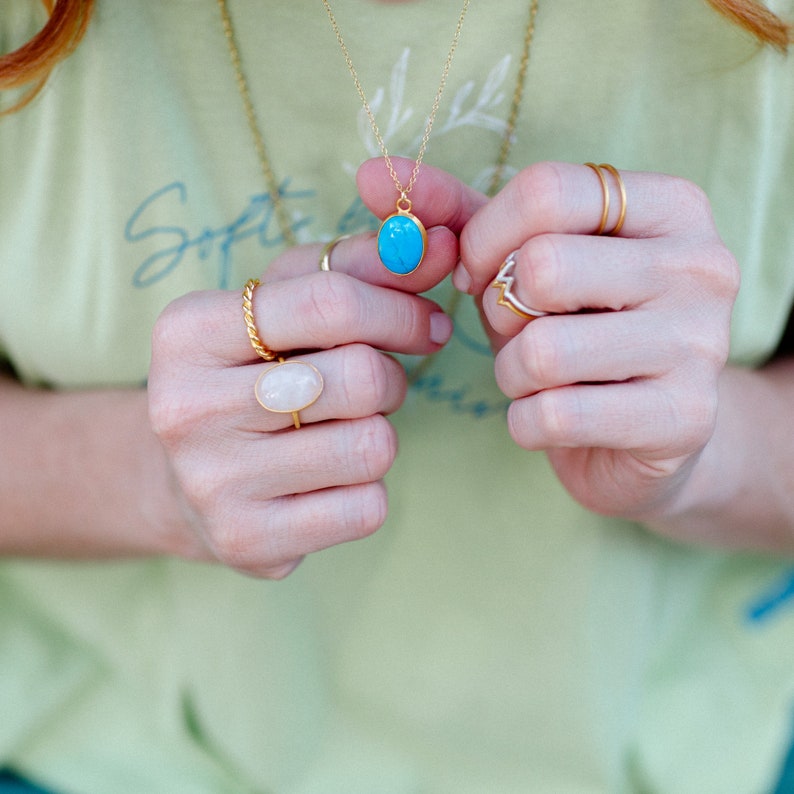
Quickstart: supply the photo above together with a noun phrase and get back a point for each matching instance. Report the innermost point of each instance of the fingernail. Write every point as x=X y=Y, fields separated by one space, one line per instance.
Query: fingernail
x=440 y=328
x=461 y=278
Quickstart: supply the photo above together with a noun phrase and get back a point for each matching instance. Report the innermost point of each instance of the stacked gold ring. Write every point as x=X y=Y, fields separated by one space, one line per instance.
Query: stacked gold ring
x=599 y=170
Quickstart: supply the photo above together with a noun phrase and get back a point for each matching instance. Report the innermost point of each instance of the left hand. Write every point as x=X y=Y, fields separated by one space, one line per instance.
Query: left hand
x=619 y=382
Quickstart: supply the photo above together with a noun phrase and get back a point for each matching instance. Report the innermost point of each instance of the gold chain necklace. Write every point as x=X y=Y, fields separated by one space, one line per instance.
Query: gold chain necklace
x=274 y=190
x=402 y=237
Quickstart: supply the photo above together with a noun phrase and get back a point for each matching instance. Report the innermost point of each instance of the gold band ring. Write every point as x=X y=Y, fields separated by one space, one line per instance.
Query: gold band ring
x=599 y=170
x=605 y=191
x=622 y=189
x=248 y=314
x=325 y=256
x=504 y=283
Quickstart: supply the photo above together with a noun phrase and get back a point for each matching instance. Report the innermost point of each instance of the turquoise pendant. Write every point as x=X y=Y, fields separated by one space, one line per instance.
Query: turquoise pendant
x=402 y=240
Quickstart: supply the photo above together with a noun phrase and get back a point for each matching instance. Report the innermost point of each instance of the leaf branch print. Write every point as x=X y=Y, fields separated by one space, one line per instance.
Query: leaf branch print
x=467 y=108
x=480 y=113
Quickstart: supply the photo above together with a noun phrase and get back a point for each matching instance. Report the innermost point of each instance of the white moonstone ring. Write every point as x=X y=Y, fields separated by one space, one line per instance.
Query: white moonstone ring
x=288 y=387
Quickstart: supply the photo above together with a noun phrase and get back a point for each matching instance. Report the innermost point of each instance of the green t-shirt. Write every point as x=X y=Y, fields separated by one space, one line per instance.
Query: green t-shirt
x=493 y=636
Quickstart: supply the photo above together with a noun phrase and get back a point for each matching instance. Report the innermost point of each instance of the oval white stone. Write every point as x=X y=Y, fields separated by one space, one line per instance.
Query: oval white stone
x=289 y=386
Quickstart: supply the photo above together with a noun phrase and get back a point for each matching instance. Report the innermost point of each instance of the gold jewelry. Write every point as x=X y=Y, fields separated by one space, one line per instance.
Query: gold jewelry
x=402 y=238
x=515 y=104
x=325 y=256
x=250 y=325
x=501 y=162
x=289 y=387
x=622 y=190
x=273 y=189
x=279 y=209
x=605 y=190
x=504 y=283
x=282 y=217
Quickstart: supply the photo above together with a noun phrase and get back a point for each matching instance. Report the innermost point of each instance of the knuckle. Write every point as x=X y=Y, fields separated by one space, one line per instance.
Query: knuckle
x=254 y=542
x=365 y=510
x=174 y=329
x=176 y=411
x=182 y=339
x=409 y=321
x=544 y=258
x=516 y=423
x=727 y=276
x=173 y=413
x=333 y=306
x=161 y=410
x=203 y=486
x=692 y=199
x=356 y=512
x=540 y=353
x=710 y=349
x=374 y=447
x=682 y=205
x=703 y=419
x=694 y=417
x=557 y=414
x=540 y=189
x=716 y=269
x=364 y=379
x=232 y=545
x=692 y=206
x=186 y=327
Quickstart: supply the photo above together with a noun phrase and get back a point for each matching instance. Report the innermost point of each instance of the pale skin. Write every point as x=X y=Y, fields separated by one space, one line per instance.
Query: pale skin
x=638 y=414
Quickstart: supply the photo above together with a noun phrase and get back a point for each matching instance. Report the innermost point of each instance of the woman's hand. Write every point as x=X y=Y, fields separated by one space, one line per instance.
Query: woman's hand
x=258 y=493
x=619 y=382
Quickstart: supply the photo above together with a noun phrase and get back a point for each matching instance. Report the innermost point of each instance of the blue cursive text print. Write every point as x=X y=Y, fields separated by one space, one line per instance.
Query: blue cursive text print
x=257 y=220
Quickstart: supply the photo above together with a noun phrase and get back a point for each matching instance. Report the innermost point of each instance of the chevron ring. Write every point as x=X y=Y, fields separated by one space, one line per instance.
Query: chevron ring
x=504 y=283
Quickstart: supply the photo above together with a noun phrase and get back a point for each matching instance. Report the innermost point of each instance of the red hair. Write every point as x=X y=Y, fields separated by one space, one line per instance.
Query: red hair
x=31 y=64
x=756 y=18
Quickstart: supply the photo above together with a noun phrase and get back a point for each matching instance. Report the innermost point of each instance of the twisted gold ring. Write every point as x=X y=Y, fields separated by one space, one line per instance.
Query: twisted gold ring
x=250 y=325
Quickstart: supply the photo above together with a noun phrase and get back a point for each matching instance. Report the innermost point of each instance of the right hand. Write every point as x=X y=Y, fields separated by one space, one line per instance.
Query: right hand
x=257 y=494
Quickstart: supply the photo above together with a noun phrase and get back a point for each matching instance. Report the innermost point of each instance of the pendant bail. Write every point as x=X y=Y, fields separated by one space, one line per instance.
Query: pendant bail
x=404 y=204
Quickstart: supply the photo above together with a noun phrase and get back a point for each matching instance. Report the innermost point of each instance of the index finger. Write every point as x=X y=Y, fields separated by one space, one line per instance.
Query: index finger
x=437 y=198
x=312 y=312
x=565 y=198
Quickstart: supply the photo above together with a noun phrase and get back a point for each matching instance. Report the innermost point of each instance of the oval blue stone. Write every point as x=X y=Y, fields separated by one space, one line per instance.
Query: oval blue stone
x=401 y=243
